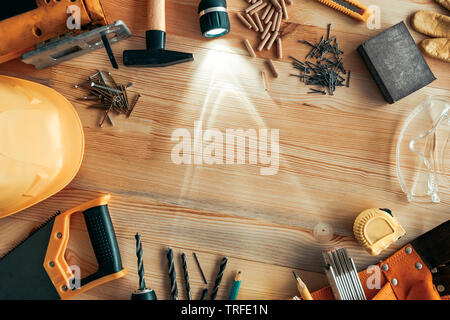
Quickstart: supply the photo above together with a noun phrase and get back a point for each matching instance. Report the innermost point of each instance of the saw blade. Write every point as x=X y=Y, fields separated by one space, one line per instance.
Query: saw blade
x=22 y=274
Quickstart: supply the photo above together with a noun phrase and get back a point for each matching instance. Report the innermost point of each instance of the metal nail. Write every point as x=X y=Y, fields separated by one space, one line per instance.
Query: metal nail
x=98 y=86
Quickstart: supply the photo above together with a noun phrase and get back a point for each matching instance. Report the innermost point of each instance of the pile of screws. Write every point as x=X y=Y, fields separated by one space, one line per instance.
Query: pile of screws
x=328 y=69
x=111 y=97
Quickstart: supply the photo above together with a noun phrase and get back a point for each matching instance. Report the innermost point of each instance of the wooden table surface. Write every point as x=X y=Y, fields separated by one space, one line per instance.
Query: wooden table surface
x=337 y=155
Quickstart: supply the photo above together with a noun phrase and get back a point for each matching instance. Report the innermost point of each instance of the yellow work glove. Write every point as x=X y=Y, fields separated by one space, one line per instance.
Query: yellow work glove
x=437 y=26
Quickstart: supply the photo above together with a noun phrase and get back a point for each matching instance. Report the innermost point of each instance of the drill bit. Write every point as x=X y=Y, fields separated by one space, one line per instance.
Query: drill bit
x=172 y=275
x=200 y=267
x=186 y=277
x=143 y=293
x=222 y=267
x=204 y=294
x=139 y=254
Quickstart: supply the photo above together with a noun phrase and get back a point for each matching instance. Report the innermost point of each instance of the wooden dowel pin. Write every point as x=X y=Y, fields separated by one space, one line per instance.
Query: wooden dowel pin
x=243 y=20
x=272 y=68
x=249 y=47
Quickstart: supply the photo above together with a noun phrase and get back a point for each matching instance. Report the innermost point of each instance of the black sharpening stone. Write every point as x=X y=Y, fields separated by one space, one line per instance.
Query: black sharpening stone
x=396 y=63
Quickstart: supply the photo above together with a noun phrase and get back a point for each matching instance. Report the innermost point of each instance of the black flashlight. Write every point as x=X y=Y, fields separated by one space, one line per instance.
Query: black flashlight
x=214 y=21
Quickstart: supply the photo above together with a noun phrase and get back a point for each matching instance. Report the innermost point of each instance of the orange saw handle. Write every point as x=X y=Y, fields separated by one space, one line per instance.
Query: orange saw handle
x=104 y=243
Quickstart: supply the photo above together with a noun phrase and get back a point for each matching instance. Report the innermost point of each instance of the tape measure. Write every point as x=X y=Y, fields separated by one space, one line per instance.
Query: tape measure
x=376 y=229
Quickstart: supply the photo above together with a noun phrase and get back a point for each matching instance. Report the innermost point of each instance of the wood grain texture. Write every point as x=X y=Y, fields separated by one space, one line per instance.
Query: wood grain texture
x=337 y=155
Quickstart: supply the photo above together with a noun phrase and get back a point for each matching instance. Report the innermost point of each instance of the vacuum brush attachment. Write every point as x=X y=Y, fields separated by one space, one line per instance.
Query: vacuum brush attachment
x=214 y=20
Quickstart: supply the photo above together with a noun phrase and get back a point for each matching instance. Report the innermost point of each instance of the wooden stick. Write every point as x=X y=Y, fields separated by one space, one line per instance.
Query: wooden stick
x=258 y=22
x=265 y=82
x=263 y=42
x=276 y=4
x=283 y=6
x=253 y=6
x=250 y=20
x=275 y=21
x=279 y=49
x=280 y=16
x=243 y=20
x=249 y=47
x=266 y=31
x=257 y=9
x=272 y=68
x=269 y=15
x=266 y=12
x=272 y=40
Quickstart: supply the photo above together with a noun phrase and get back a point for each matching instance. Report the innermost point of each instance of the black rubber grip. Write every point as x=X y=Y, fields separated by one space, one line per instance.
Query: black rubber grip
x=104 y=242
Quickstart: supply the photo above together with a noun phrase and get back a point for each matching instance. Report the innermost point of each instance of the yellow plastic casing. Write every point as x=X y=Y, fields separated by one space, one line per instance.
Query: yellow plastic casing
x=376 y=229
x=22 y=32
x=364 y=14
x=41 y=143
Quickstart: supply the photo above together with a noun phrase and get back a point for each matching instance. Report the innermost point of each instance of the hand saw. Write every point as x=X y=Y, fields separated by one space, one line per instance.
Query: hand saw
x=37 y=270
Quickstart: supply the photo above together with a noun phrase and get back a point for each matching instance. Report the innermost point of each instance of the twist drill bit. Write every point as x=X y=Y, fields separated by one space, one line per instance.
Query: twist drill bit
x=172 y=275
x=204 y=294
x=143 y=293
x=139 y=254
x=222 y=267
x=186 y=277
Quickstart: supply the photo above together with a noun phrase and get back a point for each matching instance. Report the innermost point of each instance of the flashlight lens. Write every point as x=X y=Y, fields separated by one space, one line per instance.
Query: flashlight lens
x=215 y=32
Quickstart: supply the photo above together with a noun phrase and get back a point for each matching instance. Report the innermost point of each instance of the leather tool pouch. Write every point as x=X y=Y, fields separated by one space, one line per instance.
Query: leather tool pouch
x=418 y=271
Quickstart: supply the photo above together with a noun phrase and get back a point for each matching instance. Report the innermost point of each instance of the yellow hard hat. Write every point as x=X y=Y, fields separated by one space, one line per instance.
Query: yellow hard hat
x=41 y=143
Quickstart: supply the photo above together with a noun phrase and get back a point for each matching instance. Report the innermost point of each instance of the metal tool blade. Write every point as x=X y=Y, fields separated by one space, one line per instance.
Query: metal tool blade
x=69 y=47
x=22 y=273
x=347 y=5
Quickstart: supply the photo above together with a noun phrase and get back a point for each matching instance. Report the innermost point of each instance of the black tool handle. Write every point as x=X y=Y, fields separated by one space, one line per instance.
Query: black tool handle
x=104 y=242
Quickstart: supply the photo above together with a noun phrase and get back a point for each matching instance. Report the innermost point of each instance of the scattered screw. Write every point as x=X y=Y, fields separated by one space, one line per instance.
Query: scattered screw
x=98 y=86
x=112 y=97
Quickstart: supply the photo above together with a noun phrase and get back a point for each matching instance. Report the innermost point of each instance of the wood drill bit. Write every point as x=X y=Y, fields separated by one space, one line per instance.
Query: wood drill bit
x=140 y=254
x=172 y=275
x=219 y=277
x=204 y=294
x=186 y=277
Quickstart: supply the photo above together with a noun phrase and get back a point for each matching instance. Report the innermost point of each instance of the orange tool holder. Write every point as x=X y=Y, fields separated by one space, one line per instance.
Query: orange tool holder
x=23 y=32
x=104 y=243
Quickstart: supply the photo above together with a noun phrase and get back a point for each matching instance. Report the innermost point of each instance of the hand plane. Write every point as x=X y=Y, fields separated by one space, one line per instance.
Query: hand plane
x=47 y=32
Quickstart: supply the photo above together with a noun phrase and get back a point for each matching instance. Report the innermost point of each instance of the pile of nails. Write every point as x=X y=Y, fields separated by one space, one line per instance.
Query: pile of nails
x=328 y=69
x=111 y=97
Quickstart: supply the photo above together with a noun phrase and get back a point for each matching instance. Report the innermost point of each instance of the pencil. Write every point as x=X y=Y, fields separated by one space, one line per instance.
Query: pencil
x=236 y=285
x=302 y=289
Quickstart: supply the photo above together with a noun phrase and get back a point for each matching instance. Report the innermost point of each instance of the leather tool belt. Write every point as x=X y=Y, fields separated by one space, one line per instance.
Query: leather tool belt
x=418 y=271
